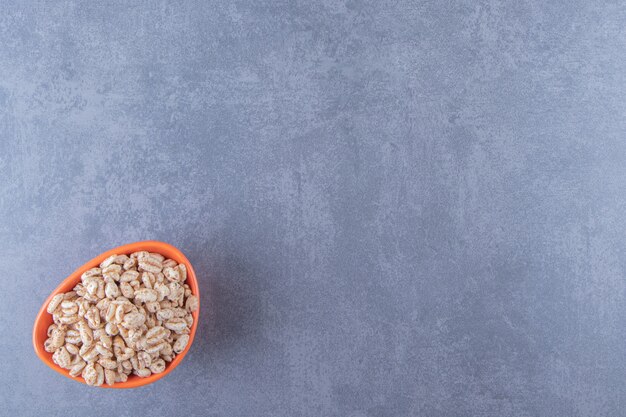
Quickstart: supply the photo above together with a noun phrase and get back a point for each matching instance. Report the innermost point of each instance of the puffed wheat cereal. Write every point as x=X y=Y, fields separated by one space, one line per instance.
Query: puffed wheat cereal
x=131 y=315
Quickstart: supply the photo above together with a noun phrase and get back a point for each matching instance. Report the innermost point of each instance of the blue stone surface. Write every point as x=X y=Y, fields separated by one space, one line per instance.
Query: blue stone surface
x=395 y=208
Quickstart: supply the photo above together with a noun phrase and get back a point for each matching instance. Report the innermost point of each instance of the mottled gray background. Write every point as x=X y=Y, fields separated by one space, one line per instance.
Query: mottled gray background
x=395 y=208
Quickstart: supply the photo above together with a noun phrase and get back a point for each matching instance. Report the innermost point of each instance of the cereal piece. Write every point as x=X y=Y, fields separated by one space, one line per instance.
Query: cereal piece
x=169 y=263
x=100 y=293
x=156 y=334
x=120 y=311
x=152 y=306
x=123 y=331
x=103 y=351
x=69 y=308
x=68 y=320
x=111 y=269
x=127 y=290
x=73 y=337
x=72 y=349
x=157 y=256
x=143 y=373
x=165 y=314
x=106 y=341
x=112 y=276
x=157 y=347
x=144 y=359
x=150 y=264
x=107 y=363
x=181 y=343
x=77 y=368
x=133 y=320
x=162 y=290
x=121 y=259
x=145 y=295
x=192 y=303
x=175 y=291
x=99 y=374
x=57 y=336
x=158 y=366
x=147 y=278
x=69 y=295
x=54 y=303
x=91 y=286
x=133 y=337
x=49 y=346
x=108 y=261
x=109 y=376
x=111 y=329
x=51 y=328
x=62 y=358
x=88 y=353
x=79 y=289
x=129 y=264
x=93 y=272
x=98 y=333
x=178 y=325
x=167 y=349
x=93 y=317
x=118 y=345
x=110 y=313
x=129 y=276
x=83 y=306
x=127 y=354
x=182 y=269
x=172 y=274
x=111 y=290
x=86 y=334
x=135 y=362
x=103 y=305
x=151 y=321
x=127 y=365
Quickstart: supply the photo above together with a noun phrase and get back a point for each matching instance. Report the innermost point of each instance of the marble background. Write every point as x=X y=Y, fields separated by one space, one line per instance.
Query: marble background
x=395 y=208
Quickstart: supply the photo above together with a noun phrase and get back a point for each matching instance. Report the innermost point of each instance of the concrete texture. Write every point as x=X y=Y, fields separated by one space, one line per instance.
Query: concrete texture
x=395 y=208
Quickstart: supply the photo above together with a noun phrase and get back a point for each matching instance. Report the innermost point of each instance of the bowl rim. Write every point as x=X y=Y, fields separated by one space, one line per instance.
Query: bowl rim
x=133 y=381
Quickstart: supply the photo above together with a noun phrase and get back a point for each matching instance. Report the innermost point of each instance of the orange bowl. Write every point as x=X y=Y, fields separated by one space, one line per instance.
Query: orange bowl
x=44 y=319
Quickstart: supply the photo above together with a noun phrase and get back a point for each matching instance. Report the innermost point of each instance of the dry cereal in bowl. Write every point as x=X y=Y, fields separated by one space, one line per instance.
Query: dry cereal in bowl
x=122 y=320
